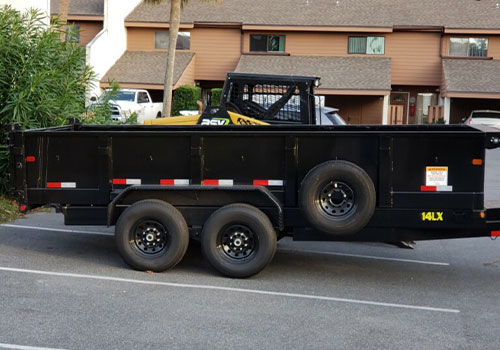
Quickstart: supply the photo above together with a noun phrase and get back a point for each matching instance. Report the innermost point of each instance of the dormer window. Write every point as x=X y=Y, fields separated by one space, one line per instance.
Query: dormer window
x=366 y=45
x=183 y=40
x=468 y=47
x=267 y=43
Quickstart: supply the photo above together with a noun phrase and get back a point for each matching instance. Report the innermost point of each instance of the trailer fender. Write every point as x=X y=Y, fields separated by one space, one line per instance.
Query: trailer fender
x=337 y=197
x=201 y=196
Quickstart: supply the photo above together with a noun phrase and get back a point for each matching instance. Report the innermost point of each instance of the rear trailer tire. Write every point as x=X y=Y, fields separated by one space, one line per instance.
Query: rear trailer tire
x=337 y=198
x=151 y=235
x=238 y=240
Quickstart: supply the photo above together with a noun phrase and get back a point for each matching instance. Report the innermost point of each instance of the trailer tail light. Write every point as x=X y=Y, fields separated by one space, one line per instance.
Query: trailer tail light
x=268 y=182
x=127 y=181
x=30 y=159
x=217 y=182
x=495 y=233
x=174 y=182
x=477 y=162
x=61 y=184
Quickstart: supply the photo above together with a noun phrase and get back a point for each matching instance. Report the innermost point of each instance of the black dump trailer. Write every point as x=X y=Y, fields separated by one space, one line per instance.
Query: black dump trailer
x=239 y=189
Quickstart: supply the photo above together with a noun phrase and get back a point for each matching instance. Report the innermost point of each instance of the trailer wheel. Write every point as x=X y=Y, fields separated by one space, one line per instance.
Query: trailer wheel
x=151 y=235
x=238 y=240
x=337 y=197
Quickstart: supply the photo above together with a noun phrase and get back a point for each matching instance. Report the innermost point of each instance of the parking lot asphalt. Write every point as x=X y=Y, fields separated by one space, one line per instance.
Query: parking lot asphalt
x=66 y=288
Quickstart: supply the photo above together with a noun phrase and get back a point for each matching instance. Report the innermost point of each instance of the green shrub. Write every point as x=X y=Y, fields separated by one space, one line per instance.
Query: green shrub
x=185 y=98
x=43 y=80
x=216 y=94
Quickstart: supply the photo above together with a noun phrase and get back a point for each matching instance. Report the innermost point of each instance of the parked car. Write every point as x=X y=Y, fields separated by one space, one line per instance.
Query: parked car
x=329 y=116
x=484 y=117
x=129 y=101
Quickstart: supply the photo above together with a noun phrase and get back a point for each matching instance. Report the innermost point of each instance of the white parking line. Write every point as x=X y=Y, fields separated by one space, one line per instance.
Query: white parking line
x=23 y=347
x=230 y=289
x=58 y=230
x=364 y=256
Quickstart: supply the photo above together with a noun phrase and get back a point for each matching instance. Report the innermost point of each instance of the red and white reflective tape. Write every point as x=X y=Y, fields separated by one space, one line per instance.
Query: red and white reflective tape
x=127 y=181
x=61 y=184
x=436 y=188
x=217 y=182
x=174 y=182
x=268 y=182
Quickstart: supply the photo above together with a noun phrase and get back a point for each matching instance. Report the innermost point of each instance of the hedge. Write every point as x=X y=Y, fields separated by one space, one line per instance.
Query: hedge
x=185 y=98
x=216 y=96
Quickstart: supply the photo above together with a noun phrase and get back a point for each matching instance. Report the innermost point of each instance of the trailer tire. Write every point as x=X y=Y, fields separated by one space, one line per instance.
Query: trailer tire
x=337 y=197
x=238 y=240
x=151 y=235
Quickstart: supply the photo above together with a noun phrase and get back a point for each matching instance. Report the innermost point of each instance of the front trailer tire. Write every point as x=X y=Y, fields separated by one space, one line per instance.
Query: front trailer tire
x=337 y=198
x=238 y=240
x=151 y=235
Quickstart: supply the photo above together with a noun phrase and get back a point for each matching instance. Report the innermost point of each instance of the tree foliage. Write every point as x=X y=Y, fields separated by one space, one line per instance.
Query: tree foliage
x=185 y=98
x=216 y=94
x=43 y=80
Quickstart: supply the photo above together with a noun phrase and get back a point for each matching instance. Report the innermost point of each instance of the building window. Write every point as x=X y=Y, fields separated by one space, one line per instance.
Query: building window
x=367 y=45
x=73 y=33
x=267 y=43
x=468 y=47
x=183 y=40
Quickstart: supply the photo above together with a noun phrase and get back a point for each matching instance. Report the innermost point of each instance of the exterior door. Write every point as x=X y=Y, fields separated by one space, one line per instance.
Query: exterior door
x=401 y=99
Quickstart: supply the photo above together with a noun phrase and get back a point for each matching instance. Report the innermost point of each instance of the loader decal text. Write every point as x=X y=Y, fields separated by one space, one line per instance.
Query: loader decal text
x=215 y=121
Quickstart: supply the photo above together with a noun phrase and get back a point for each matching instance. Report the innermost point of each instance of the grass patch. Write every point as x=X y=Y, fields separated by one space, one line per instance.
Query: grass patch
x=8 y=210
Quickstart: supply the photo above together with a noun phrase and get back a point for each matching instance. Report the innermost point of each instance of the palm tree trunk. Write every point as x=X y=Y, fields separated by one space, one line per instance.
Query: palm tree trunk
x=175 y=15
x=63 y=11
x=63 y=17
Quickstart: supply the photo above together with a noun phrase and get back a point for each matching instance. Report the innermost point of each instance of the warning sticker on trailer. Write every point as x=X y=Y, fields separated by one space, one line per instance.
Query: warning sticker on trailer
x=436 y=176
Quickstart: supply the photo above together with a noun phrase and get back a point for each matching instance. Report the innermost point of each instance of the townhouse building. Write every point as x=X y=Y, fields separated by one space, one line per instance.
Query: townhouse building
x=380 y=61
x=87 y=17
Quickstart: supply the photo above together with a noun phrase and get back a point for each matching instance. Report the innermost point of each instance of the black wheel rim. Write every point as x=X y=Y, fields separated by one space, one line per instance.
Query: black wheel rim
x=237 y=242
x=150 y=237
x=336 y=199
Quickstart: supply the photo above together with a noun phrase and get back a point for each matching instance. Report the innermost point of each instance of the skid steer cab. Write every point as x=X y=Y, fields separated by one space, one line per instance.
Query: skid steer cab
x=256 y=99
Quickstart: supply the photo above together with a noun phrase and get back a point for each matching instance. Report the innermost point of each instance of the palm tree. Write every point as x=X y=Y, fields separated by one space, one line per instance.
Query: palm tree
x=63 y=11
x=174 y=22
x=63 y=17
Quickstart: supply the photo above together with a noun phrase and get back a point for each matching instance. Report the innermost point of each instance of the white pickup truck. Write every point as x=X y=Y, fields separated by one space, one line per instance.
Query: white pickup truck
x=129 y=101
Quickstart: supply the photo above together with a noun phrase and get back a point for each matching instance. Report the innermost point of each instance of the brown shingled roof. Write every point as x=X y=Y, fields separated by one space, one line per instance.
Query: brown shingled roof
x=146 y=67
x=471 y=76
x=339 y=73
x=372 y=13
x=80 y=7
